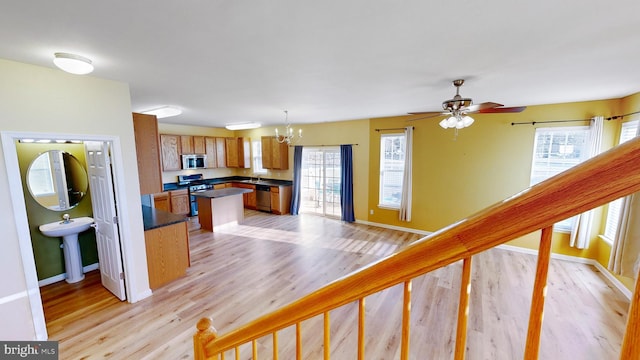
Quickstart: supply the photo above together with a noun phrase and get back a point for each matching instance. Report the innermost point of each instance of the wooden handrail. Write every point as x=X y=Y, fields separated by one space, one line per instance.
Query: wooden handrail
x=593 y=183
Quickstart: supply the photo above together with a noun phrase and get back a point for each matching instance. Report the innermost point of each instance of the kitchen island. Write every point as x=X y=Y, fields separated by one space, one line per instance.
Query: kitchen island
x=219 y=207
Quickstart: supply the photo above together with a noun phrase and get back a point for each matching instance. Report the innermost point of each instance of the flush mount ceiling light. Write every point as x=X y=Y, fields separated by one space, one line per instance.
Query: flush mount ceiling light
x=74 y=64
x=163 y=112
x=245 y=126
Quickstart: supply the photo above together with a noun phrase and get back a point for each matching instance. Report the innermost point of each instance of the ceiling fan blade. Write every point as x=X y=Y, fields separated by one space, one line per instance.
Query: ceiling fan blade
x=499 y=110
x=427 y=115
x=481 y=106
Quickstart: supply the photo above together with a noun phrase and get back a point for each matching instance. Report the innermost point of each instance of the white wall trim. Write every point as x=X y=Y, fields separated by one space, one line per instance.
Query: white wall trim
x=393 y=227
x=61 y=277
x=13 y=297
x=608 y=275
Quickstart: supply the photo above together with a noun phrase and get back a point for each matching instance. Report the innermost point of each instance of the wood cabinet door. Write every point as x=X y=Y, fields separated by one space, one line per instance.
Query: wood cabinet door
x=221 y=153
x=280 y=155
x=210 y=151
x=170 y=149
x=198 y=145
x=161 y=201
x=267 y=158
x=180 y=202
x=231 y=147
x=186 y=144
x=275 y=200
x=145 y=131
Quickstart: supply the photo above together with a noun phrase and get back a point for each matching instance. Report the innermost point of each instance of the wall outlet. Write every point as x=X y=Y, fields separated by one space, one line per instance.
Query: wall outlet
x=371 y=212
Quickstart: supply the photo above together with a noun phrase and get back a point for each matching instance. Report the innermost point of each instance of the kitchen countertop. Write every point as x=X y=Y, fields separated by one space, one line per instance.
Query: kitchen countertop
x=154 y=218
x=231 y=179
x=211 y=194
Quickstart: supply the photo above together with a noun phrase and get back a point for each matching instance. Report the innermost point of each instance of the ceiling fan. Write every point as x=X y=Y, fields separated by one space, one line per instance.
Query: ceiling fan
x=458 y=109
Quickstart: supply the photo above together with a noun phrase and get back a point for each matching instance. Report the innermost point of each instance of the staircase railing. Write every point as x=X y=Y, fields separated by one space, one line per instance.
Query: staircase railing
x=604 y=178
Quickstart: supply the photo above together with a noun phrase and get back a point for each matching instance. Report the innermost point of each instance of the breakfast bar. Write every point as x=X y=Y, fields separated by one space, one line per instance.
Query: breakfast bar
x=219 y=207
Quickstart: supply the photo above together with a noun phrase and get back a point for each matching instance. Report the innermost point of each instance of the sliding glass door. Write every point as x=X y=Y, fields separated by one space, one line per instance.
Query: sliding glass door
x=320 y=190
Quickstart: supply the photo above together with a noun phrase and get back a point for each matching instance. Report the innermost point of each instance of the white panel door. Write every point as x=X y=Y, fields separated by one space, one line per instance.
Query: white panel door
x=105 y=216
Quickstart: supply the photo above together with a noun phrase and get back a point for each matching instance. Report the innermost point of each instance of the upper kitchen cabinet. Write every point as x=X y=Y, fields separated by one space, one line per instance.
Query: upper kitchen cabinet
x=275 y=155
x=238 y=152
x=210 y=151
x=145 y=130
x=186 y=144
x=221 y=152
x=191 y=144
x=171 y=149
x=199 y=145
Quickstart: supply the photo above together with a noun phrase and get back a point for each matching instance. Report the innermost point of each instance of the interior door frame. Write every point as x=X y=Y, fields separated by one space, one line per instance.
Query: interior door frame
x=21 y=220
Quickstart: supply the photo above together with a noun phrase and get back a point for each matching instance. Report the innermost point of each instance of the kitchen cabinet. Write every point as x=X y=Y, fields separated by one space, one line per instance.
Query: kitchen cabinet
x=145 y=131
x=179 y=201
x=275 y=155
x=238 y=152
x=167 y=250
x=199 y=145
x=186 y=144
x=221 y=153
x=280 y=199
x=161 y=201
x=170 y=146
x=221 y=186
x=248 y=199
x=210 y=151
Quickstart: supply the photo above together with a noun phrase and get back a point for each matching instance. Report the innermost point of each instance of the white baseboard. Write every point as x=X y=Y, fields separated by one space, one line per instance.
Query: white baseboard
x=393 y=227
x=60 y=277
x=606 y=273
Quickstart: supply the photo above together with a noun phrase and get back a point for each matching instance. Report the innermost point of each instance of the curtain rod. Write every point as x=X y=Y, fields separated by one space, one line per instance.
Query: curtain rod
x=615 y=117
x=413 y=127
x=322 y=145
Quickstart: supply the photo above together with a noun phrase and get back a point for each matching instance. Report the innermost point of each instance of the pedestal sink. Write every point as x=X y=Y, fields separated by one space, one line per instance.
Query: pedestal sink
x=69 y=229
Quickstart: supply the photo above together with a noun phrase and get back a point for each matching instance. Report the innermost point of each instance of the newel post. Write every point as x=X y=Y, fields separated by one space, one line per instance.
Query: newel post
x=206 y=333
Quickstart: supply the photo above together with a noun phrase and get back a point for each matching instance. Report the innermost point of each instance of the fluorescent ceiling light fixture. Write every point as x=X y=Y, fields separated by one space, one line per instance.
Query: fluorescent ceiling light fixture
x=163 y=112
x=74 y=64
x=245 y=126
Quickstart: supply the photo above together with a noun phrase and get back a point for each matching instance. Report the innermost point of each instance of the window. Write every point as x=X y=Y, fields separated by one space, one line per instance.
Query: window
x=628 y=132
x=257 y=157
x=556 y=150
x=392 y=148
x=321 y=180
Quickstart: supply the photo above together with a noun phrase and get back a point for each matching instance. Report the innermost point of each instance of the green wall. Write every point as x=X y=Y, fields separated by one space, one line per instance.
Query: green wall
x=46 y=250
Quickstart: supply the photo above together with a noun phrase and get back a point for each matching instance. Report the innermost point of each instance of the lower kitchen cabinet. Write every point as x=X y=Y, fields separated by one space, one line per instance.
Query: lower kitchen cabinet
x=161 y=201
x=249 y=199
x=280 y=199
x=179 y=200
x=167 y=253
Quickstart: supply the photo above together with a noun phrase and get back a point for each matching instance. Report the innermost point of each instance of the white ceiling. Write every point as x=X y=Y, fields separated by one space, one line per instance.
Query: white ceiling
x=238 y=61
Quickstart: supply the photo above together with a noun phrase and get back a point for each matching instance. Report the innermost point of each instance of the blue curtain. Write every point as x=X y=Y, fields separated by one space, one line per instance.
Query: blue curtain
x=297 y=179
x=346 y=183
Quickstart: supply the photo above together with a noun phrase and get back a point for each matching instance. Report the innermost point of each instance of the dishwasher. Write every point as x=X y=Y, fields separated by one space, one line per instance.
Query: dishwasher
x=263 y=198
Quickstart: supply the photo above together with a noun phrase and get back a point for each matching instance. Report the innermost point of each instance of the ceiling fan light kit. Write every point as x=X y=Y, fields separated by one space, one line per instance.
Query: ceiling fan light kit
x=458 y=108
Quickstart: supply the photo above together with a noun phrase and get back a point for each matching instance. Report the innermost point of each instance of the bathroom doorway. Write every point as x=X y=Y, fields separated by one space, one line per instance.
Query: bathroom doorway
x=9 y=140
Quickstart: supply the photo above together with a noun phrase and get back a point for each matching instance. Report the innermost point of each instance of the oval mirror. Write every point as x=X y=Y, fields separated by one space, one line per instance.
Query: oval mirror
x=57 y=180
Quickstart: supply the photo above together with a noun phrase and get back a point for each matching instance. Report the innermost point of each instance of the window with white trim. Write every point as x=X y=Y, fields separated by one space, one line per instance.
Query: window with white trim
x=392 y=148
x=555 y=150
x=257 y=157
x=627 y=132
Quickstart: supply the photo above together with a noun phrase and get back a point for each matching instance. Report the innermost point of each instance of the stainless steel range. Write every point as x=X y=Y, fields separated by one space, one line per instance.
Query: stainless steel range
x=195 y=183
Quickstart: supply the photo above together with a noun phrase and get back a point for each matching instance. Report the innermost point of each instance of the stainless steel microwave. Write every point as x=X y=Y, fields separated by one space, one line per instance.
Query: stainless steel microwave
x=194 y=161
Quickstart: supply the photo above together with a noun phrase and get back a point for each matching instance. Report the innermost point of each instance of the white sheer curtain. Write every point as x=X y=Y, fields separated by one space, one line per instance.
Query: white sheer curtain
x=405 y=200
x=625 y=250
x=581 y=230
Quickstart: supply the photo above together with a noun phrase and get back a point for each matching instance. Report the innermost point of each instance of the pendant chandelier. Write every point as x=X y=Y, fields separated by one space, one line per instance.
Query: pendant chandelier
x=288 y=137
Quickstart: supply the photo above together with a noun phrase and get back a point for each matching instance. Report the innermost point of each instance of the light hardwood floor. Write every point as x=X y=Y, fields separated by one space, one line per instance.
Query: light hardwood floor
x=244 y=271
